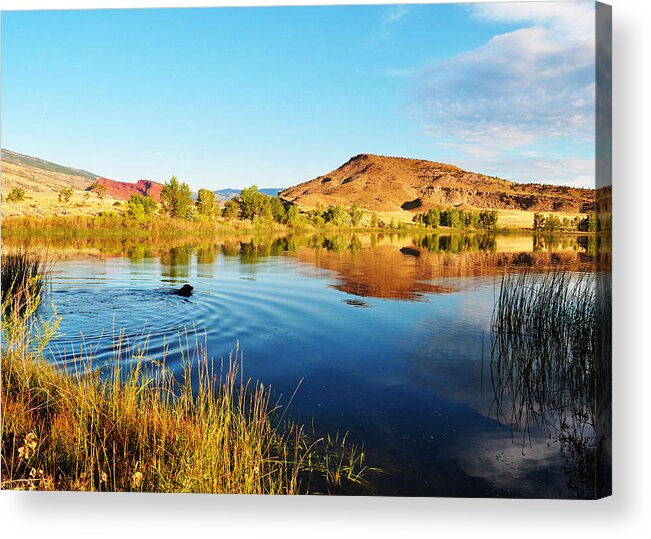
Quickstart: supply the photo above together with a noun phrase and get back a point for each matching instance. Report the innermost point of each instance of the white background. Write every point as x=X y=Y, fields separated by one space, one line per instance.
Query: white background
x=626 y=514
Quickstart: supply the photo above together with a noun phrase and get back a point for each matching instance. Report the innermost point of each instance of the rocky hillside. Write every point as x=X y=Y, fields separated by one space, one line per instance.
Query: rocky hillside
x=124 y=190
x=390 y=184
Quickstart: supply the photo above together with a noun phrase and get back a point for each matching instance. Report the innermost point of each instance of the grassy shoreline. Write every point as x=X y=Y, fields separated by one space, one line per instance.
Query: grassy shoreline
x=168 y=227
x=137 y=427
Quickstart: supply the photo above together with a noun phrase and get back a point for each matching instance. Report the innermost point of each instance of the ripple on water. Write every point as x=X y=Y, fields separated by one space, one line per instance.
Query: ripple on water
x=95 y=312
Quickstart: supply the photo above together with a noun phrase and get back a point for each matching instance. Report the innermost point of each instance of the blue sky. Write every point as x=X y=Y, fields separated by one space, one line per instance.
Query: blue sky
x=228 y=97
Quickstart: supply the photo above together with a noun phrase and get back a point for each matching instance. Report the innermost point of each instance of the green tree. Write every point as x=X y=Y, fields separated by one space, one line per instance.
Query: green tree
x=538 y=221
x=552 y=223
x=455 y=218
x=432 y=218
x=316 y=216
x=141 y=208
x=231 y=210
x=472 y=219
x=488 y=219
x=566 y=224
x=278 y=210
x=374 y=221
x=355 y=214
x=65 y=194
x=293 y=215
x=337 y=215
x=176 y=199
x=587 y=224
x=254 y=204
x=207 y=205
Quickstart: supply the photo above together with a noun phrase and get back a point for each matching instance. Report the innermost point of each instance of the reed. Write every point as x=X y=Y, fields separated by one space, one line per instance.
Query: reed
x=549 y=362
x=135 y=426
x=24 y=276
x=543 y=348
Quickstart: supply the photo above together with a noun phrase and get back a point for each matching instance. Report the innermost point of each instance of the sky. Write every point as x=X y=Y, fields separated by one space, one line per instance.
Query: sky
x=230 y=97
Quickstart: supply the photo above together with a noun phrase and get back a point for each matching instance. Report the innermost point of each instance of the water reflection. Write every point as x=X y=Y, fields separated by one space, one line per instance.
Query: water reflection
x=398 y=266
x=387 y=332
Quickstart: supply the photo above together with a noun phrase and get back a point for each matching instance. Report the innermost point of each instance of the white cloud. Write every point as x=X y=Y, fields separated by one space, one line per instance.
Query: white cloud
x=391 y=16
x=396 y=13
x=570 y=20
x=522 y=90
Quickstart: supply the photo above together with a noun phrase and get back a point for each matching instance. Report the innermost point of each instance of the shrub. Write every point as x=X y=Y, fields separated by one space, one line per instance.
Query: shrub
x=65 y=194
x=16 y=195
x=231 y=210
x=141 y=208
x=100 y=190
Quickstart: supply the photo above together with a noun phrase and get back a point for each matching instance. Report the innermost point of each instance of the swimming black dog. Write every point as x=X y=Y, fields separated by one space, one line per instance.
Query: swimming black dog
x=185 y=291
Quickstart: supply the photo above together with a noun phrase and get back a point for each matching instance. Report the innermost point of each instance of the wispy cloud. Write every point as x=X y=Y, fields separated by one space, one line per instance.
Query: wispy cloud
x=520 y=91
x=396 y=13
x=392 y=15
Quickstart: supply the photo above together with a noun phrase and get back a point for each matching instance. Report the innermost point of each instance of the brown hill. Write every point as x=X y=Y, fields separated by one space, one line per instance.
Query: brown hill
x=124 y=190
x=387 y=184
x=42 y=188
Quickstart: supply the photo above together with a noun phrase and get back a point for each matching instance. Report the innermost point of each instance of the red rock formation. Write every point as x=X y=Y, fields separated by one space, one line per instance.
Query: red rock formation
x=124 y=190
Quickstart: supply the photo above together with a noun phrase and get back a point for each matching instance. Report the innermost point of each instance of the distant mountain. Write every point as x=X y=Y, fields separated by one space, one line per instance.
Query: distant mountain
x=124 y=190
x=228 y=194
x=19 y=159
x=382 y=183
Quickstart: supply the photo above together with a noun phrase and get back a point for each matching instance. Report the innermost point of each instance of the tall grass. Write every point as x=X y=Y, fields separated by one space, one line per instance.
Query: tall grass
x=137 y=427
x=543 y=349
x=24 y=274
x=107 y=223
x=550 y=346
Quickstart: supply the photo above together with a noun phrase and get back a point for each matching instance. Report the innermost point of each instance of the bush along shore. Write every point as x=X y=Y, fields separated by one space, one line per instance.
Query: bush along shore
x=138 y=427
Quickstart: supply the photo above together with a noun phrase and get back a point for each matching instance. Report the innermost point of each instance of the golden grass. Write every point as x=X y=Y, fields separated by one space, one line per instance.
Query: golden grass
x=506 y=219
x=524 y=219
x=112 y=223
x=139 y=428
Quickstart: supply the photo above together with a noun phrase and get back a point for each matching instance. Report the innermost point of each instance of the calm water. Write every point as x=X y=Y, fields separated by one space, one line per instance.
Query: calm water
x=388 y=337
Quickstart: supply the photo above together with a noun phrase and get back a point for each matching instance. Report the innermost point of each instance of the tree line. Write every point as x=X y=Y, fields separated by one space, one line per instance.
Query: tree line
x=250 y=205
x=456 y=218
x=553 y=223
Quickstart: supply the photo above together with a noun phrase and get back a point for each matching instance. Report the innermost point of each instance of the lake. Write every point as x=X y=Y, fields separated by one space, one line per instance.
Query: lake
x=386 y=337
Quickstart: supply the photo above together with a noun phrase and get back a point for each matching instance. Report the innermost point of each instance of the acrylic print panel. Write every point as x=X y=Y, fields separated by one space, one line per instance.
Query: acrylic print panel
x=354 y=250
